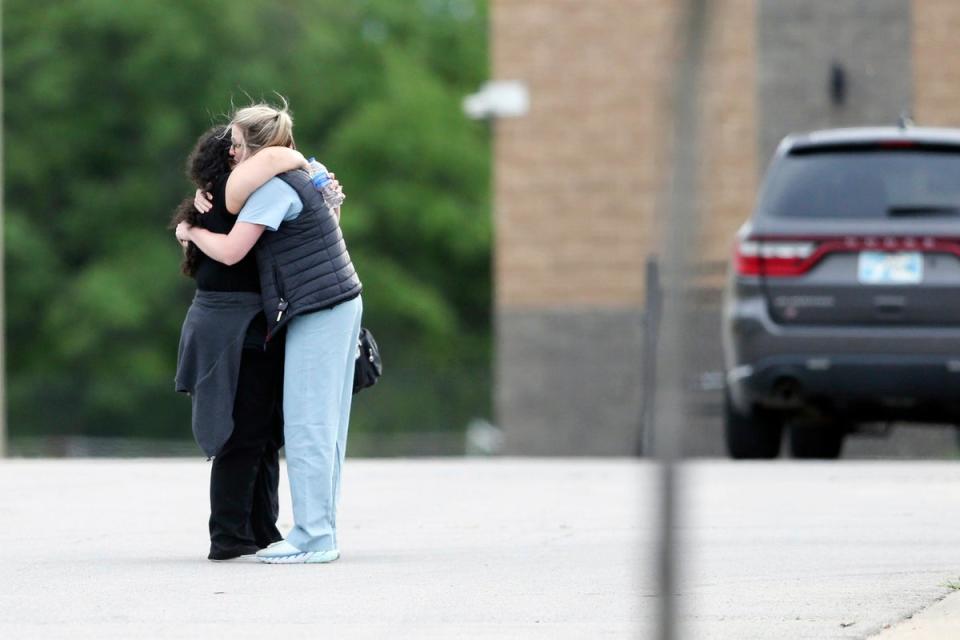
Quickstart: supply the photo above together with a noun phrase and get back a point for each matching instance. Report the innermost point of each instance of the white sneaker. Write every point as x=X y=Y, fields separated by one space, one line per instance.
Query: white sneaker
x=283 y=552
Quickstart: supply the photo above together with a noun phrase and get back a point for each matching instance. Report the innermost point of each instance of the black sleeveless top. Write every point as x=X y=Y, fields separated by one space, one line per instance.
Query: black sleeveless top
x=216 y=276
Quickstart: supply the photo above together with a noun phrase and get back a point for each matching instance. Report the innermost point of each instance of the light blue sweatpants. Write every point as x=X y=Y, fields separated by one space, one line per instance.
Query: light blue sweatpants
x=317 y=391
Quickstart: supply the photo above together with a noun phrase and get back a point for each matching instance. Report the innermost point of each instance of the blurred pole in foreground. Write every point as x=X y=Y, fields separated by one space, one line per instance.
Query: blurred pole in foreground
x=680 y=240
x=3 y=308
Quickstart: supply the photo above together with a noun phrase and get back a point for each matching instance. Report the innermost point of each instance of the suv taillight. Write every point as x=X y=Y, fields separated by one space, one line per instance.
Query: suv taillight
x=775 y=258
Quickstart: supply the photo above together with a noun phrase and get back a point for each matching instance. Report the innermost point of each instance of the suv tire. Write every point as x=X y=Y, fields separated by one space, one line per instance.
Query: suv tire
x=819 y=441
x=753 y=436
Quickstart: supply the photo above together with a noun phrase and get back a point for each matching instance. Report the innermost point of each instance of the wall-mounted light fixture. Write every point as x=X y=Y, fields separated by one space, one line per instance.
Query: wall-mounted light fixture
x=498 y=99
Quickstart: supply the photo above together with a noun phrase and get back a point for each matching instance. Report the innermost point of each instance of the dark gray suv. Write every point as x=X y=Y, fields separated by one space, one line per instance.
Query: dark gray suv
x=843 y=302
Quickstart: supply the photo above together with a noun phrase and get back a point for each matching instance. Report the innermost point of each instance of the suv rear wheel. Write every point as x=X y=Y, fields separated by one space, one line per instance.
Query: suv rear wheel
x=823 y=440
x=751 y=436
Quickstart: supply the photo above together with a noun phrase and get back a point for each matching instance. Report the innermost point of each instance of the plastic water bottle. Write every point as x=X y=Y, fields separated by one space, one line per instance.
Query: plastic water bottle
x=322 y=182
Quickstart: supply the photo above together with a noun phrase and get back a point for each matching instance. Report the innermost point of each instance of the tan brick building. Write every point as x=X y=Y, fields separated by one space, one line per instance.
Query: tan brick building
x=578 y=180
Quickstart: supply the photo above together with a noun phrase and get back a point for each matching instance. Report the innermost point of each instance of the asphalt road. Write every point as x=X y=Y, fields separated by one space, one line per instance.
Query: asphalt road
x=497 y=548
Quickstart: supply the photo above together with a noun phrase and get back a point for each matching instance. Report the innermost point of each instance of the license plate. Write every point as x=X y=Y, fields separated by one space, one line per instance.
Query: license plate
x=879 y=267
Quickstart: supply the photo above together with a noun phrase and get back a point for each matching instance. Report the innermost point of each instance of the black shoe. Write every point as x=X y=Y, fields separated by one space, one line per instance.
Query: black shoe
x=230 y=554
x=263 y=544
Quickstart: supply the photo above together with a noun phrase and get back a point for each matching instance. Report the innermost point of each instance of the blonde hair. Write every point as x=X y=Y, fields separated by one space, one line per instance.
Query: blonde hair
x=264 y=125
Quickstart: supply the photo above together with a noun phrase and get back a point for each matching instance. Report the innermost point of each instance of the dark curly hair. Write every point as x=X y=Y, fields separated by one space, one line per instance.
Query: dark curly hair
x=209 y=160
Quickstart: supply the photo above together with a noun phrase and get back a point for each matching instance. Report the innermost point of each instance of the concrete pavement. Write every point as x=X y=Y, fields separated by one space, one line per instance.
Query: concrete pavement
x=493 y=548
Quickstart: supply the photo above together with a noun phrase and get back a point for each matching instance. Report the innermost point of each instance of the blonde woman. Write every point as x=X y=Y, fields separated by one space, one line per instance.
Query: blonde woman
x=309 y=286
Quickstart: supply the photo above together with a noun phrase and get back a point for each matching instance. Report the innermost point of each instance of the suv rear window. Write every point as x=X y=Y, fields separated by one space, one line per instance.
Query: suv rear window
x=864 y=182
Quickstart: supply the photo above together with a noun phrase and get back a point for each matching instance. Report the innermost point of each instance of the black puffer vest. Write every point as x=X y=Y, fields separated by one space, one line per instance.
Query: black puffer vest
x=304 y=265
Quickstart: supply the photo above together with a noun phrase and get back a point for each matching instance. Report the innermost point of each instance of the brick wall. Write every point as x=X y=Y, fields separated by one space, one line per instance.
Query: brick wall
x=575 y=189
x=574 y=178
x=730 y=171
x=797 y=44
x=936 y=72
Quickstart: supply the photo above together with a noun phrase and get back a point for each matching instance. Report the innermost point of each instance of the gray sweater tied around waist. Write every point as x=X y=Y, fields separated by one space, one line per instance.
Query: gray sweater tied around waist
x=208 y=361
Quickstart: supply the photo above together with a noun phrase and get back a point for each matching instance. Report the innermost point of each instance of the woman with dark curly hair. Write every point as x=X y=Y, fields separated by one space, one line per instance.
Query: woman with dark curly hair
x=232 y=373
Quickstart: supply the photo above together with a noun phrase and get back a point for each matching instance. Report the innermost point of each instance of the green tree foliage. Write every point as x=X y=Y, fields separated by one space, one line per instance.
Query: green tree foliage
x=102 y=103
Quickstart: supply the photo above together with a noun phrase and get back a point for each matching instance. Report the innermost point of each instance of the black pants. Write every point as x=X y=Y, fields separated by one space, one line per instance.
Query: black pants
x=245 y=476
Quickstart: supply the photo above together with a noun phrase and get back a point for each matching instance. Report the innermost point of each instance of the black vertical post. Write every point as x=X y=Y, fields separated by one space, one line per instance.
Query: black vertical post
x=678 y=246
x=648 y=367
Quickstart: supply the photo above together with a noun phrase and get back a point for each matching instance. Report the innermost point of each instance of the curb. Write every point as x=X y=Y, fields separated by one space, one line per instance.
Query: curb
x=937 y=622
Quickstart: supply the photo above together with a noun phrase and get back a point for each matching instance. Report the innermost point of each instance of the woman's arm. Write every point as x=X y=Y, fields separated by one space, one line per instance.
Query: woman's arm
x=252 y=173
x=227 y=248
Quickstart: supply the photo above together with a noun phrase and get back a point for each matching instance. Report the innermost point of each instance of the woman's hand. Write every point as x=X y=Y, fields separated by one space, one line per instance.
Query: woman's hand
x=203 y=201
x=183 y=233
x=338 y=187
x=336 y=183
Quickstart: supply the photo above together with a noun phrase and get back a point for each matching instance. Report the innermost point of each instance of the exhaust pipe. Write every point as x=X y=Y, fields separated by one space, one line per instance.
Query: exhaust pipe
x=786 y=390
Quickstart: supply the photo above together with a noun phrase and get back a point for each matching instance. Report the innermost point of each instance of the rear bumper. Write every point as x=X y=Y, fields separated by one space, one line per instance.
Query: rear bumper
x=870 y=373
x=875 y=386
